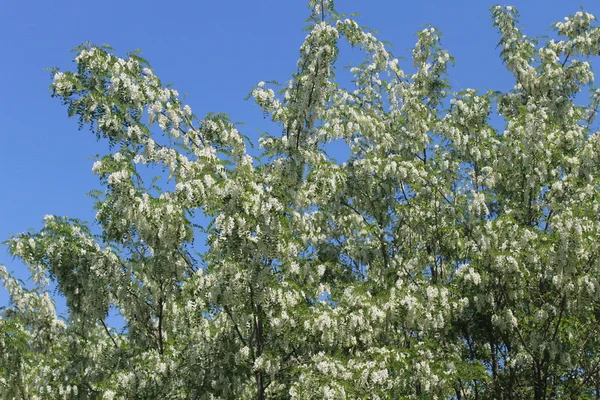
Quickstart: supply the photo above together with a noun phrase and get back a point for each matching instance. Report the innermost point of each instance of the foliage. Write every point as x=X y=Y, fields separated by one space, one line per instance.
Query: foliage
x=448 y=257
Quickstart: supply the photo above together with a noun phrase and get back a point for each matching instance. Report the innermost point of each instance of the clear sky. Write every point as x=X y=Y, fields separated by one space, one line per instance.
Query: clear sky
x=214 y=51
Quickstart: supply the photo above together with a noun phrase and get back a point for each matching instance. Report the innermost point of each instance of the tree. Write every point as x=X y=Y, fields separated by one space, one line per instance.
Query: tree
x=446 y=258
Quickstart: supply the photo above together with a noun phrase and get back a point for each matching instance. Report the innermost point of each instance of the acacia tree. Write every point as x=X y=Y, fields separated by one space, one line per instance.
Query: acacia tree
x=446 y=258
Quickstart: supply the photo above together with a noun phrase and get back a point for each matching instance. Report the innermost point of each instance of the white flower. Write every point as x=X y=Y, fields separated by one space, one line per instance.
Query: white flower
x=108 y=395
x=97 y=166
x=117 y=177
x=379 y=377
x=321 y=269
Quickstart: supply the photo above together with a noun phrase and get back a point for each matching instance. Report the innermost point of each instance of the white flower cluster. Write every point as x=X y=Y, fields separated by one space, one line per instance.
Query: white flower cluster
x=446 y=256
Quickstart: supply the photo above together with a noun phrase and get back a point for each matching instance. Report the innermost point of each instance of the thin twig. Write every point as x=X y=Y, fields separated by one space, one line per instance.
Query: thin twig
x=108 y=333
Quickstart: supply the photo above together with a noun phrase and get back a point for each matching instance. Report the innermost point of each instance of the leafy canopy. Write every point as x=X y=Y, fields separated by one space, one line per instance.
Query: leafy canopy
x=447 y=257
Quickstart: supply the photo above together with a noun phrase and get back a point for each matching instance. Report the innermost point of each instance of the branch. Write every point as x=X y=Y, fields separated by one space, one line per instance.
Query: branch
x=188 y=262
x=160 y=320
x=108 y=333
x=235 y=325
x=566 y=58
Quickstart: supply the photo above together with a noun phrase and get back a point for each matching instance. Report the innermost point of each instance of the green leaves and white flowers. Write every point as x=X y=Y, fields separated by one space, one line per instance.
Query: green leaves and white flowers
x=447 y=257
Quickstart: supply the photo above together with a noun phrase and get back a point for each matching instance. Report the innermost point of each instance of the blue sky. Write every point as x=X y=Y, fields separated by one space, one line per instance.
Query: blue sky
x=213 y=51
